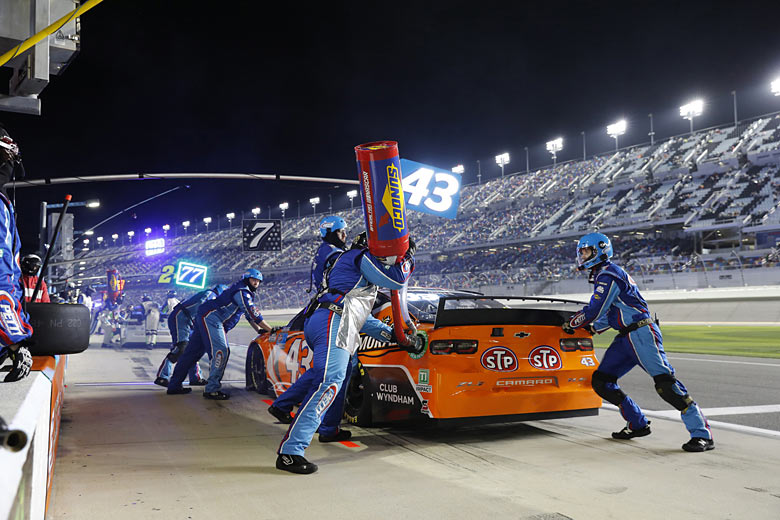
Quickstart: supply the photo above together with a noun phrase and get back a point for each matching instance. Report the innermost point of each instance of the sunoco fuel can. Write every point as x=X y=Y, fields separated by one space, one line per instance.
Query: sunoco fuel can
x=379 y=168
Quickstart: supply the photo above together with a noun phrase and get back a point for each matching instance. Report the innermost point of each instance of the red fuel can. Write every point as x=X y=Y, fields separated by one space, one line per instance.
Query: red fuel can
x=379 y=169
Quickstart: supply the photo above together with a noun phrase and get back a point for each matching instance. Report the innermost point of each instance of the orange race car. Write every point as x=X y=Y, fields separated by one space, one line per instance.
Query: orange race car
x=488 y=358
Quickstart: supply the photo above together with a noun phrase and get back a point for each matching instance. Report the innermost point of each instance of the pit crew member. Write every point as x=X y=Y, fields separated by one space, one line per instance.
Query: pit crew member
x=343 y=311
x=616 y=303
x=31 y=265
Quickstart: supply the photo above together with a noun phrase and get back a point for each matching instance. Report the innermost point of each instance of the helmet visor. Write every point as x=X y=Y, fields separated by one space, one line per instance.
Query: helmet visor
x=585 y=253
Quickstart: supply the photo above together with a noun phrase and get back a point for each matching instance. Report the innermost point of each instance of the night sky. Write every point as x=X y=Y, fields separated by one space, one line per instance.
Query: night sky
x=249 y=86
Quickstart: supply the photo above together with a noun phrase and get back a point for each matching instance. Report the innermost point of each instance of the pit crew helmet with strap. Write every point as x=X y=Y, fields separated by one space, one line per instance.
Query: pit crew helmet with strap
x=30 y=264
x=331 y=224
x=593 y=249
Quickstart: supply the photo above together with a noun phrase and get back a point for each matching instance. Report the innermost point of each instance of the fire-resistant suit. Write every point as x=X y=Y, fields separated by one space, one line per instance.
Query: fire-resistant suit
x=333 y=331
x=180 y=323
x=616 y=303
x=236 y=299
x=151 y=322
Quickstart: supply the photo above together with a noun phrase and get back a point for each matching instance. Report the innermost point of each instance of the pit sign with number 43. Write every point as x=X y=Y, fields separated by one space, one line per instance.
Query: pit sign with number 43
x=430 y=189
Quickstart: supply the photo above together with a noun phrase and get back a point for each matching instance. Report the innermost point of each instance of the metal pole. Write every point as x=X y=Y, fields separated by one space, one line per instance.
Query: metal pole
x=43 y=228
x=479 y=172
x=652 y=133
x=734 y=93
x=584 y=154
x=299 y=209
x=49 y=250
x=527 y=162
x=691 y=120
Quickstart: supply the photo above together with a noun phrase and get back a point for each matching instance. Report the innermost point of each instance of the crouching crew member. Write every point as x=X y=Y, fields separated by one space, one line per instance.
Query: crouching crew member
x=343 y=311
x=180 y=323
x=616 y=303
x=236 y=299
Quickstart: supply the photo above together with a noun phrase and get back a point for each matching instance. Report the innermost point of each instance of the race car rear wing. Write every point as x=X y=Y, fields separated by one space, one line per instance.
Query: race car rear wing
x=498 y=310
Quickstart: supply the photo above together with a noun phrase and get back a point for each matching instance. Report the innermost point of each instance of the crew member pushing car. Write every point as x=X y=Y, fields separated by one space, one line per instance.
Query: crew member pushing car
x=616 y=303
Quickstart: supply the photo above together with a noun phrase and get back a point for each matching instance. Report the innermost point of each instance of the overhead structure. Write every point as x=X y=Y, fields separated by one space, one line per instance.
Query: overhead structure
x=501 y=160
x=693 y=109
x=39 y=38
x=615 y=130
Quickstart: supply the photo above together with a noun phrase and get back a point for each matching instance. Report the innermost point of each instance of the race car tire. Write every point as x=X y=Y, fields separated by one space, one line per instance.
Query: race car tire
x=58 y=328
x=357 y=402
x=256 y=378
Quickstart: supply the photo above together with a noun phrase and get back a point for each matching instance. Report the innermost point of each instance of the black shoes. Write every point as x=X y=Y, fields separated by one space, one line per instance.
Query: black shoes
x=697 y=445
x=161 y=381
x=199 y=382
x=628 y=433
x=295 y=464
x=281 y=416
x=216 y=395
x=342 y=435
x=180 y=390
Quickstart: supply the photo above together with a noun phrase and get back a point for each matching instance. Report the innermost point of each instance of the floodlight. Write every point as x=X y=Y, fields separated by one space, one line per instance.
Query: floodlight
x=352 y=194
x=617 y=129
x=255 y=211
x=554 y=146
x=93 y=203
x=186 y=224
x=775 y=87
x=131 y=234
x=148 y=230
x=99 y=239
x=89 y=232
x=166 y=227
x=115 y=236
x=692 y=109
x=231 y=216
x=314 y=200
x=283 y=206
x=207 y=220
x=86 y=241
x=501 y=160
x=459 y=169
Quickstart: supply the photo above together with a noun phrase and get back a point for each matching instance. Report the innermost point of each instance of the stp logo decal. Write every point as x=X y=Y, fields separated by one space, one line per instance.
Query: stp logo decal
x=545 y=358
x=499 y=359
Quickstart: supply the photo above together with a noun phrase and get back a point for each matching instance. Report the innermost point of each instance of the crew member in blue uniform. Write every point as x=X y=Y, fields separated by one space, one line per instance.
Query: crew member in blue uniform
x=236 y=299
x=14 y=321
x=343 y=311
x=333 y=232
x=180 y=323
x=194 y=350
x=616 y=303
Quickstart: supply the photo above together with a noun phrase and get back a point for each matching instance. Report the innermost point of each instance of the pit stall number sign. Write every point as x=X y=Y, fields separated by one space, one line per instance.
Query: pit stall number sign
x=430 y=189
x=191 y=275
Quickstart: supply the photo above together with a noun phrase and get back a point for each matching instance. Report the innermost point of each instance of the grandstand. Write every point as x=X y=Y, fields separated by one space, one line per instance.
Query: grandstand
x=697 y=202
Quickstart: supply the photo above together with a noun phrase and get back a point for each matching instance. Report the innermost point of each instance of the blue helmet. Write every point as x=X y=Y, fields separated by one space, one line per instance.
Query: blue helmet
x=332 y=223
x=253 y=273
x=593 y=249
x=219 y=289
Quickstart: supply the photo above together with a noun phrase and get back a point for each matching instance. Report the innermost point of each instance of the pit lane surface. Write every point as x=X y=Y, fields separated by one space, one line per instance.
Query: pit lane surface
x=127 y=450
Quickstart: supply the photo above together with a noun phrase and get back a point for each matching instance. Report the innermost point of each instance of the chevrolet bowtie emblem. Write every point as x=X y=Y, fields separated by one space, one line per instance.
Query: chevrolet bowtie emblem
x=522 y=334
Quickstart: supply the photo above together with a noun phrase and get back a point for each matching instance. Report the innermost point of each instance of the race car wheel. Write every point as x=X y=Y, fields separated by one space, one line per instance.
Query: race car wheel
x=357 y=402
x=256 y=378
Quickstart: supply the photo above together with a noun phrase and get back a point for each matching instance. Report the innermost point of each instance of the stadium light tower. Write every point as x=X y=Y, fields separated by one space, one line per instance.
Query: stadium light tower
x=207 y=221
x=230 y=216
x=775 y=87
x=283 y=206
x=555 y=146
x=255 y=212
x=458 y=169
x=615 y=130
x=130 y=235
x=185 y=225
x=147 y=231
x=690 y=110
x=314 y=201
x=166 y=228
x=502 y=160
x=115 y=236
x=352 y=194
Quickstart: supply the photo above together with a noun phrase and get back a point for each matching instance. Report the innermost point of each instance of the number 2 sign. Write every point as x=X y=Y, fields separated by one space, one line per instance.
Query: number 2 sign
x=430 y=189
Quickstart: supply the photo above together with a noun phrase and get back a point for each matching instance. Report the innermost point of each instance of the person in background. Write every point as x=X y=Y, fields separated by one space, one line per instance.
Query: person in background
x=171 y=301
x=31 y=265
x=151 y=320
x=616 y=303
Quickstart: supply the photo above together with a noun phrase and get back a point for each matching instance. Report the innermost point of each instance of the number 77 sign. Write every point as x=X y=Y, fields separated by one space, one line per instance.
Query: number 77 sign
x=191 y=275
x=430 y=189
